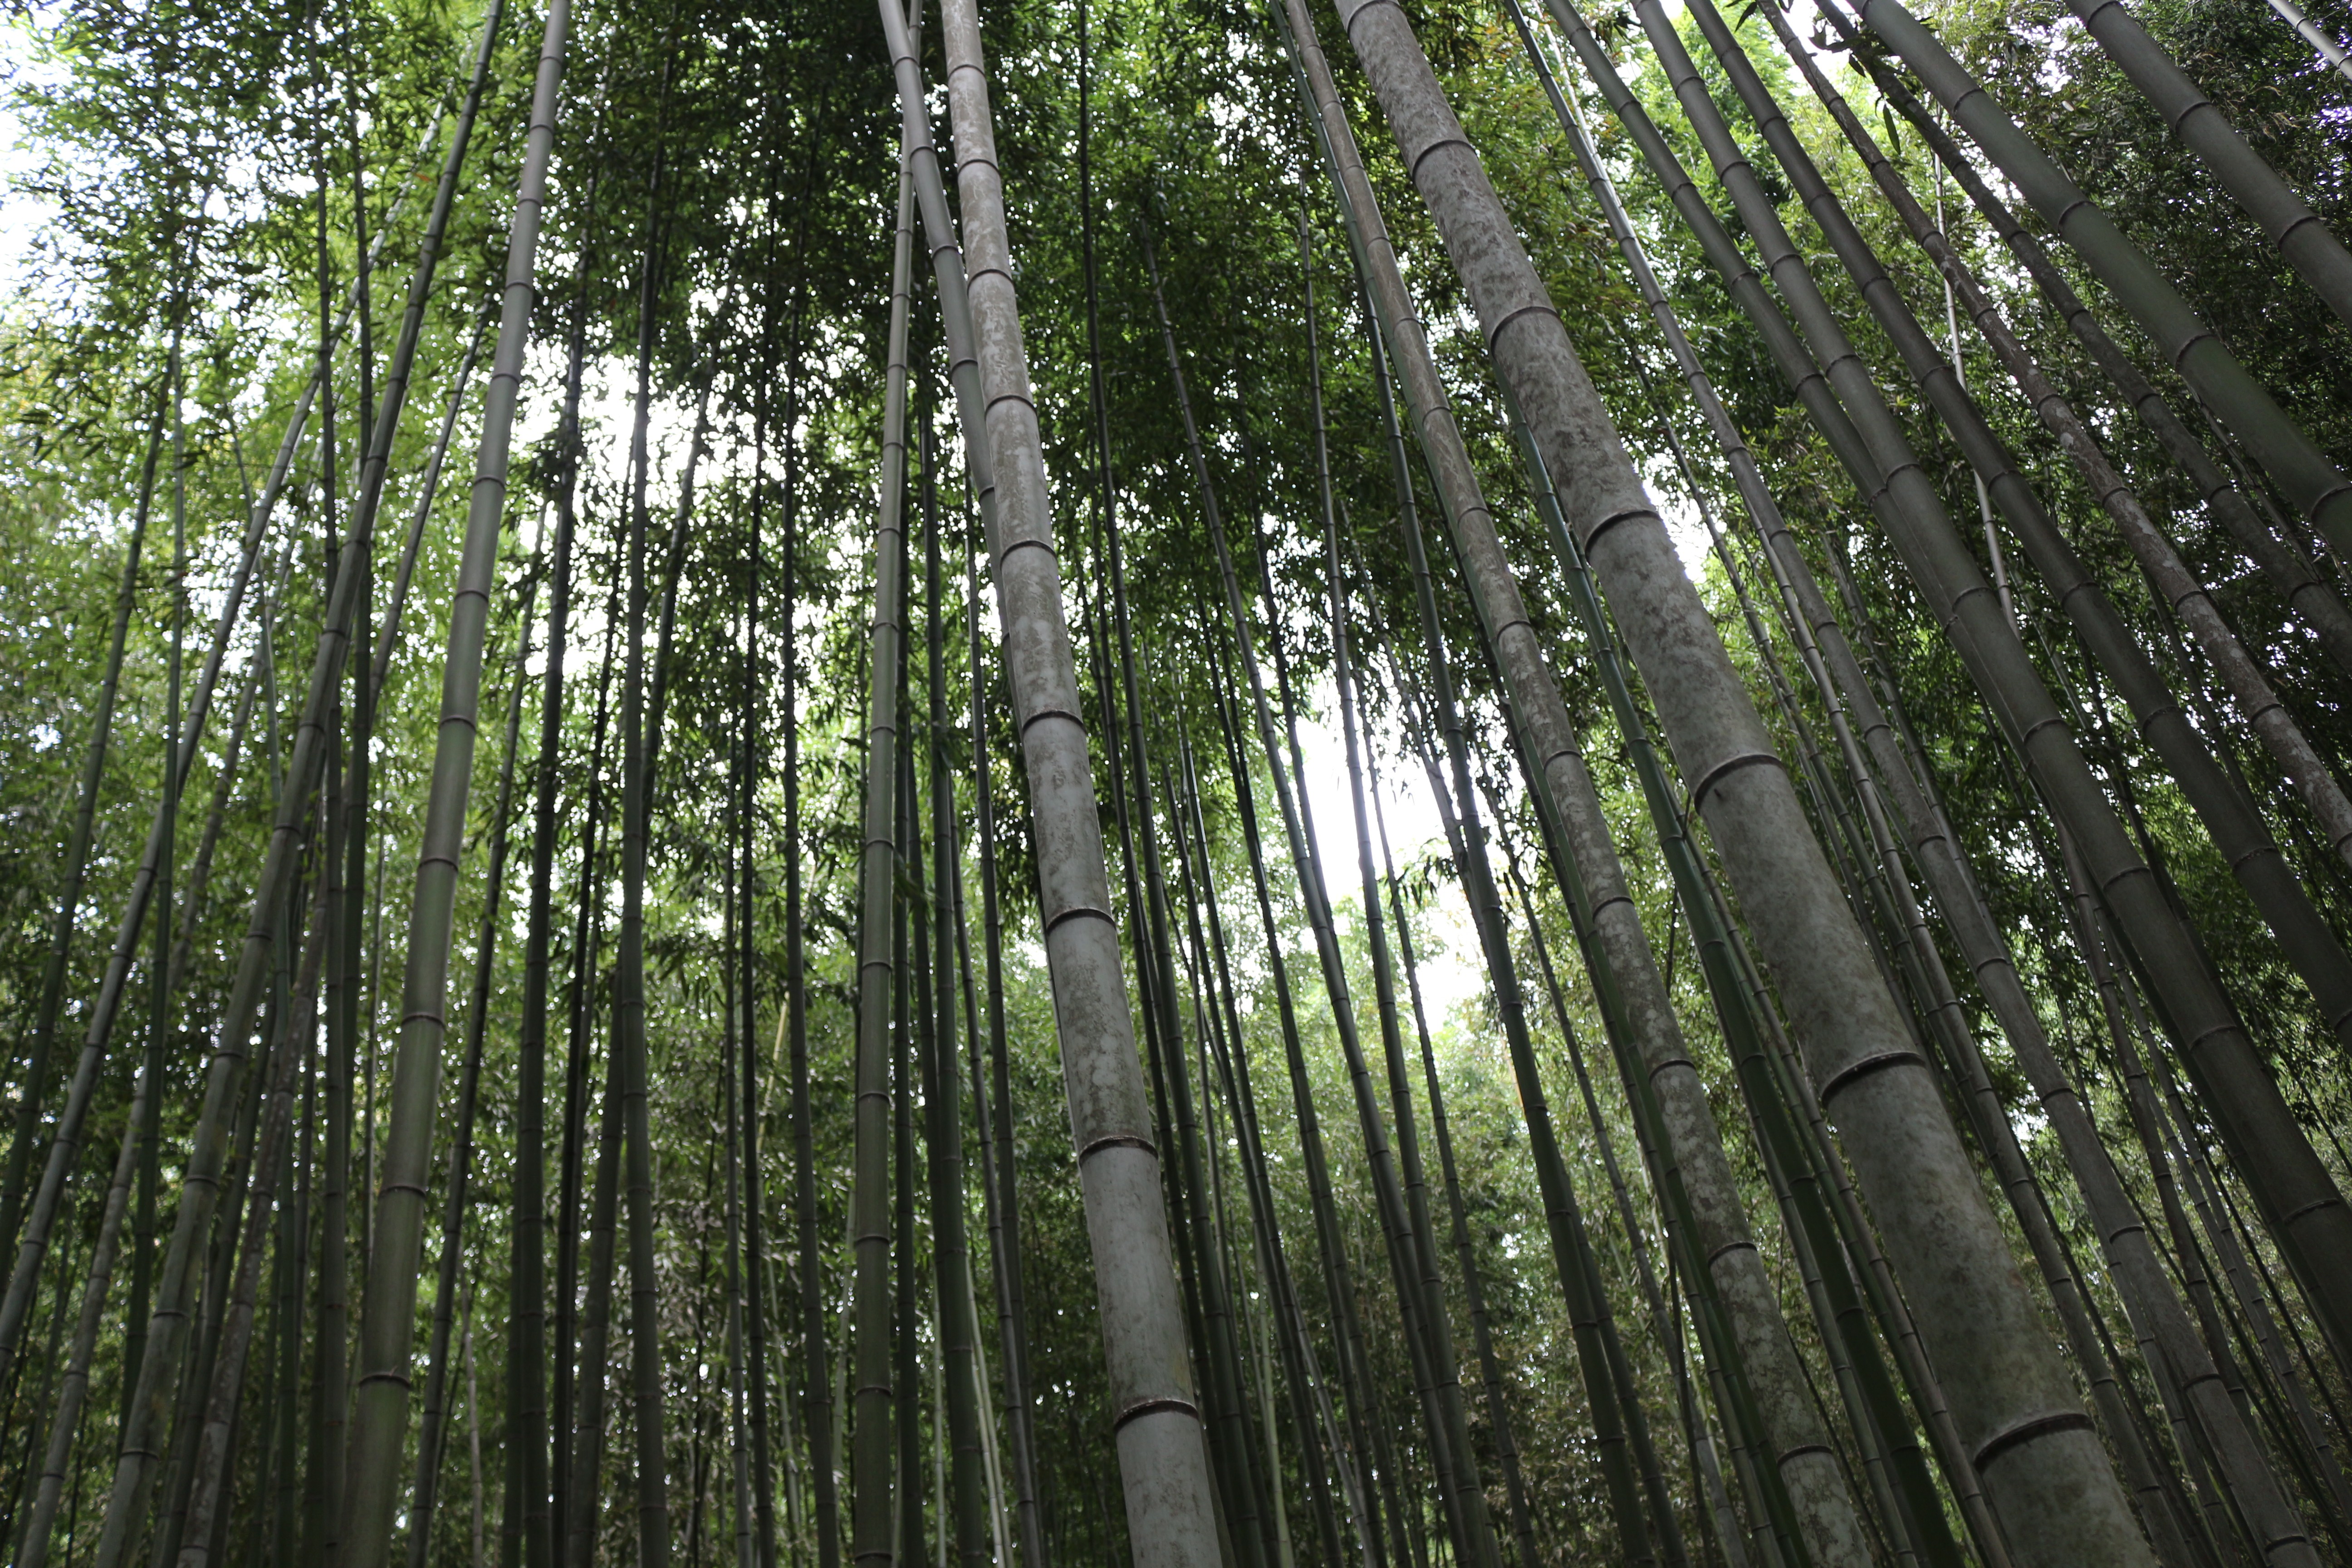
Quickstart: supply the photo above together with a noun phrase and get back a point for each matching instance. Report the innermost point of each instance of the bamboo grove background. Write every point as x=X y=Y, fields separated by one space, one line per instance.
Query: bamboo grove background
x=680 y=1217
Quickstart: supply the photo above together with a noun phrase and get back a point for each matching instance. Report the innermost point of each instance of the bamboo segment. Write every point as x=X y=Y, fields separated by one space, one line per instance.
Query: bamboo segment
x=2302 y=472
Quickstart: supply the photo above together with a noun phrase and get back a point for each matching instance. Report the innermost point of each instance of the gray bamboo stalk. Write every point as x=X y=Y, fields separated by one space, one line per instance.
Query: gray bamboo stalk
x=2012 y=1398
x=2300 y=236
x=1163 y=1462
x=1005 y=1238
x=2312 y=33
x=433 y=1433
x=963 y=1512
x=2229 y=815
x=585 y=1493
x=1556 y=766
x=870 y=1227
x=735 y=1037
x=2290 y=572
x=2302 y=470
x=2282 y=1162
x=2168 y=575
x=381 y=1398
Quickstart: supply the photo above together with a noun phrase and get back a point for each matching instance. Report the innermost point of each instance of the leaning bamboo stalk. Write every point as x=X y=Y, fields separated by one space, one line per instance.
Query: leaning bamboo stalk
x=2258 y=704
x=77 y=856
x=2306 y=243
x=1156 y=1424
x=1808 y=1468
x=2303 y=471
x=2241 y=1459
x=211 y=1465
x=65 y=1138
x=2049 y=1474
x=2289 y=570
x=381 y=1398
x=2311 y=33
x=2301 y=1194
x=2228 y=816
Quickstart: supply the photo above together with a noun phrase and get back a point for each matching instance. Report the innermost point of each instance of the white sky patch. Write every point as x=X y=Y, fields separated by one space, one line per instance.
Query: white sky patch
x=1451 y=969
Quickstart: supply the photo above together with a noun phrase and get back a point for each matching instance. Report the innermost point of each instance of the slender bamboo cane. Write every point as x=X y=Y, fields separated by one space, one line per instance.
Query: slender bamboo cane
x=581 y=1009
x=1364 y=1456
x=731 y=1136
x=528 y=1433
x=2228 y=816
x=585 y=1493
x=433 y=1432
x=2289 y=1170
x=381 y=1398
x=76 y=856
x=211 y=1469
x=957 y=1316
x=1156 y=1423
x=1004 y=1255
x=870 y=1224
x=910 y=962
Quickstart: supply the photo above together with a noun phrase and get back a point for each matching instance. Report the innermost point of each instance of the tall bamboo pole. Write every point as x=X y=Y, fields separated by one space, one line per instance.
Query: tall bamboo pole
x=381 y=1398
x=965 y=1509
x=870 y=1225
x=432 y=1434
x=1156 y=1422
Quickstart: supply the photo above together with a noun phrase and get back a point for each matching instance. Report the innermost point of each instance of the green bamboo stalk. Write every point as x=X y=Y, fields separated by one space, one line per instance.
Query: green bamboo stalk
x=433 y=1432
x=871 y=1519
x=1004 y=1233
x=957 y=1319
x=76 y=856
x=381 y=1398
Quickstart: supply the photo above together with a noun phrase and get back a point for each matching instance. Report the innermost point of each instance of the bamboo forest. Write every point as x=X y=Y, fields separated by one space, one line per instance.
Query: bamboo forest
x=1204 y=783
